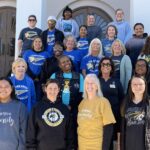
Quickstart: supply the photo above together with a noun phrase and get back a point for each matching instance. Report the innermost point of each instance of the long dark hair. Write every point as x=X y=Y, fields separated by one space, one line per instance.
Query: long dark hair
x=146 y=48
x=13 y=95
x=130 y=95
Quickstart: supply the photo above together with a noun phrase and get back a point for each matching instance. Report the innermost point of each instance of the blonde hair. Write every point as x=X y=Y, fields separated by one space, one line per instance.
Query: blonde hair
x=16 y=62
x=123 y=49
x=90 y=47
x=96 y=81
x=66 y=39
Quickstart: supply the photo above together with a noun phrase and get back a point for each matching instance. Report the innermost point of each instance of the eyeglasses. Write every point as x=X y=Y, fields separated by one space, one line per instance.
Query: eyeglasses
x=31 y=20
x=140 y=65
x=106 y=65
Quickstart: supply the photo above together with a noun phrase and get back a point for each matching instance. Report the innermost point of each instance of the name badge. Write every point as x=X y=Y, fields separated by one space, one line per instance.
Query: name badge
x=112 y=86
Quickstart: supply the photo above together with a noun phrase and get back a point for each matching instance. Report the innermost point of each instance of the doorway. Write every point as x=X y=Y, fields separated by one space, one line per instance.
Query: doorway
x=7 y=38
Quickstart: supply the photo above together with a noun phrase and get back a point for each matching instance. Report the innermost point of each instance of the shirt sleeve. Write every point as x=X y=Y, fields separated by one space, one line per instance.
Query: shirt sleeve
x=106 y=111
x=53 y=76
x=83 y=64
x=81 y=83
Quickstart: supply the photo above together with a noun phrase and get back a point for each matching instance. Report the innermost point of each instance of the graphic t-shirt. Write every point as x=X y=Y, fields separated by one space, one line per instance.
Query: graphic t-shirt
x=135 y=127
x=67 y=27
x=90 y=64
x=92 y=116
x=50 y=42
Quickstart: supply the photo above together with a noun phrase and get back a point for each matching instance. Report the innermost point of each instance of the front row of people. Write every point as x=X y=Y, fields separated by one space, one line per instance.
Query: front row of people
x=50 y=124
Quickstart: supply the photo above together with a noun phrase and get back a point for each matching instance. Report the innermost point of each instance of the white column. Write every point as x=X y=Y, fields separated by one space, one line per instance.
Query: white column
x=24 y=9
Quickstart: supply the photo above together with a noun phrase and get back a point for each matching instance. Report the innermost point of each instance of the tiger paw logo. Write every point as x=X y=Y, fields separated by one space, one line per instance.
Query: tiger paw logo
x=53 y=117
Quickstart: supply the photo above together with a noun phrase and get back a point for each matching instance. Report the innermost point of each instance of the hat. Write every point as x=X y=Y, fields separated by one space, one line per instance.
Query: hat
x=51 y=18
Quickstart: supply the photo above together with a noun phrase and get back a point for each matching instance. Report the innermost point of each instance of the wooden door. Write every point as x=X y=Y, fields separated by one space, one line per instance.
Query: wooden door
x=101 y=17
x=7 y=39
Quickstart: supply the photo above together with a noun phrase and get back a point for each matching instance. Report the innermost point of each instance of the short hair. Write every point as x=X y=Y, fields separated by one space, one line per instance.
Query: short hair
x=70 y=36
x=111 y=63
x=138 y=24
x=16 y=62
x=67 y=9
x=123 y=50
x=32 y=16
x=119 y=9
x=116 y=31
x=96 y=81
x=13 y=95
x=37 y=37
x=90 y=47
x=85 y=26
x=49 y=81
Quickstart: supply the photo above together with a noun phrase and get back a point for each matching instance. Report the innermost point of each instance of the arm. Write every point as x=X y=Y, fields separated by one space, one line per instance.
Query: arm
x=128 y=33
x=20 y=42
x=107 y=136
x=22 y=127
x=84 y=72
x=31 y=142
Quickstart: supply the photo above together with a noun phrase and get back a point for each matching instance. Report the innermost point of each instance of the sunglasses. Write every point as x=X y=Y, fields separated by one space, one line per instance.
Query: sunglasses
x=105 y=64
x=31 y=20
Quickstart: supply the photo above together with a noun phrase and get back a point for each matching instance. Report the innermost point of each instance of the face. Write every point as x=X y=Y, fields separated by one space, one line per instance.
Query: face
x=5 y=91
x=70 y=43
x=83 y=32
x=140 y=68
x=20 y=69
x=65 y=64
x=52 y=91
x=117 y=49
x=90 y=86
x=58 y=50
x=95 y=48
x=106 y=67
x=119 y=15
x=90 y=20
x=37 y=44
x=32 y=22
x=139 y=30
x=51 y=24
x=67 y=15
x=137 y=86
x=111 y=32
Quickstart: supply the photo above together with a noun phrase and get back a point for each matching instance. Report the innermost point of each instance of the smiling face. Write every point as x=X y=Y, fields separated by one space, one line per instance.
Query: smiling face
x=95 y=48
x=139 y=30
x=111 y=32
x=5 y=91
x=106 y=67
x=32 y=22
x=90 y=20
x=117 y=48
x=138 y=86
x=52 y=91
x=51 y=24
x=20 y=69
x=65 y=64
x=70 y=43
x=83 y=32
x=119 y=15
x=140 y=68
x=67 y=15
x=37 y=44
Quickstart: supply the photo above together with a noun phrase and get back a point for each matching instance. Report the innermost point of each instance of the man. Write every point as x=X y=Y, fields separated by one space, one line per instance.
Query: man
x=51 y=35
x=27 y=34
x=123 y=27
x=93 y=31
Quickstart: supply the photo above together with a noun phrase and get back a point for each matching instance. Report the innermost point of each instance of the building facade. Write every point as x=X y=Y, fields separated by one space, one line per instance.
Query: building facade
x=14 y=14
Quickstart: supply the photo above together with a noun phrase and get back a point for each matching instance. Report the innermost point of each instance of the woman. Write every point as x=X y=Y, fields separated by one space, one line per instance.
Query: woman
x=123 y=66
x=111 y=35
x=142 y=69
x=67 y=24
x=94 y=115
x=135 y=133
x=82 y=41
x=13 y=118
x=50 y=126
x=145 y=53
x=72 y=52
x=89 y=63
x=135 y=44
x=113 y=91
x=35 y=59
x=23 y=84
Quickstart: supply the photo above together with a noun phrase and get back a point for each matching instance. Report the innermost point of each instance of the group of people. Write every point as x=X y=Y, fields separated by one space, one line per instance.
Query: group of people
x=72 y=90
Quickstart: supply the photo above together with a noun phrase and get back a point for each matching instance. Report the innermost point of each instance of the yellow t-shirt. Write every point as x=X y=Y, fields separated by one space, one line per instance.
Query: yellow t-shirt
x=92 y=116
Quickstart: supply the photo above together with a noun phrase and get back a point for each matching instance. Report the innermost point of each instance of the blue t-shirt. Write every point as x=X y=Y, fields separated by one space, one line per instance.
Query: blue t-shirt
x=35 y=60
x=66 y=90
x=75 y=57
x=106 y=43
x=83 y=46
x=117 y=61
x=90 y=64
x=50 y=42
